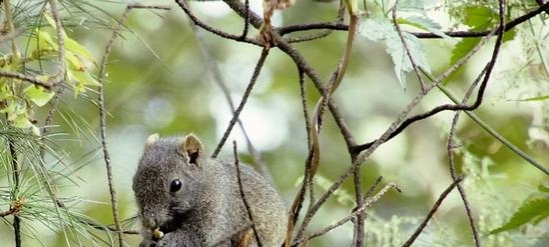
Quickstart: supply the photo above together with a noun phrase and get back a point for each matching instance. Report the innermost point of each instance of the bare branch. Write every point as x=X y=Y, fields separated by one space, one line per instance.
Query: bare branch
x=102 y=114
x=12 y=34
x=221 y=83
x=247 y=92
x=243 y=195
x=544 y=7
x=184 y=5
x=437 y=204
x=369 y=202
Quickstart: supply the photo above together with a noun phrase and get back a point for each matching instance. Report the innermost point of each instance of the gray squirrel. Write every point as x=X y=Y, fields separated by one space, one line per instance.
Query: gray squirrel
x=187 y=199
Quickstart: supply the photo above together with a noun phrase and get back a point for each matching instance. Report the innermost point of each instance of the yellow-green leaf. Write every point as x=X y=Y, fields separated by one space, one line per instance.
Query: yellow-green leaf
x=22 y=121
x=84 y=78
x=38 y=95
x=75 y=63
x=78 y=49
x=530 y=211
x=45 y=41
x=51 y=21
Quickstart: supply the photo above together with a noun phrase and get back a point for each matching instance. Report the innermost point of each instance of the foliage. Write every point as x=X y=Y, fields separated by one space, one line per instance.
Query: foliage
x=532 y=211
x=195 y=68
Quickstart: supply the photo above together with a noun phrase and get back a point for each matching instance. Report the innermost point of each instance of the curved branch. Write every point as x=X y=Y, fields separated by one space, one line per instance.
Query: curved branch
x=437 y=204
x=236 y=114
x=184 y=5
x=544 y=7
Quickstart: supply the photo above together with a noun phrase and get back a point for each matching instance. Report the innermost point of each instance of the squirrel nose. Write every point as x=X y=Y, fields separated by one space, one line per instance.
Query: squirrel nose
x=149 y=221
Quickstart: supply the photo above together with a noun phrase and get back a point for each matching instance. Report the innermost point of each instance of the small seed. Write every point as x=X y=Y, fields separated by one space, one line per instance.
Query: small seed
x=157 y=233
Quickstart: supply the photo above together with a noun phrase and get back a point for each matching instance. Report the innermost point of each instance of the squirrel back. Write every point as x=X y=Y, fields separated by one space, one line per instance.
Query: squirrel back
x=186 y=198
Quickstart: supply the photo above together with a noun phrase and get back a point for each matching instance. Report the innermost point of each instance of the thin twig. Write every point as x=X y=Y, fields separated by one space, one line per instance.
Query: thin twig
x=422 y=35
x=221 y=83
x=367 y=203
x=102 y=115
x=389 y=133
x=27 y=78
x=303 y=95
x=415 y=67
x=405 y=122
x=315 y=127
x=540 y=3
x=247 y=92
x=434 y=209
x=243 y=195
x=12 y=34
x=185 y=7
x=8 y=212
x=498 y=136
x=452 y=167
x=62 y=66
x=246 y=24
x=15 y=191
x=299 y=60
x=321 y=34
x=451 y=142
x=49 y=118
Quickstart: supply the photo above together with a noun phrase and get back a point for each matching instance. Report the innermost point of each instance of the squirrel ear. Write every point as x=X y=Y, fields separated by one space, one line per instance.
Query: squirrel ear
x=151 y=140
x=191 y=147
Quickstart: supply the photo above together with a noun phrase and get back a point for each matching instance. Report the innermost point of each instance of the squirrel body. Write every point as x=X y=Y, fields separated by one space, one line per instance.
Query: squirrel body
x=187 y=199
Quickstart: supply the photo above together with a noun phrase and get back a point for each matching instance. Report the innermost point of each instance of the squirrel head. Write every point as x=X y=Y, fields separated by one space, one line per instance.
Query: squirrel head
x=168 y=181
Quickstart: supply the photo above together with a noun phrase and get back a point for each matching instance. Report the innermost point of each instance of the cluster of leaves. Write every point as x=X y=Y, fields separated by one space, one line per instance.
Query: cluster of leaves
x=40 y=62
x=45 y=61
x=18 y=97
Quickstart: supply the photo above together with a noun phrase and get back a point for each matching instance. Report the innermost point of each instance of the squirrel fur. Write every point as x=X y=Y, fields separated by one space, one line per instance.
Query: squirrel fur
x=187 y=199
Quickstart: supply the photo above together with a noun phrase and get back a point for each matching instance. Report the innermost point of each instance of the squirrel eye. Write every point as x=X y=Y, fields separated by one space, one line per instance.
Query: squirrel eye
x=176 y=185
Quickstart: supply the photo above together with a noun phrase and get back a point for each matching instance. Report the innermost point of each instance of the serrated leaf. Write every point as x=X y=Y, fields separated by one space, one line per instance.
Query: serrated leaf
x=425 y=24
x=478 y=17
x=414 y=5
x=376 y=29
x=462 y=48
x=38 y=95
x=400 y=57
x=509 y=35
x=381 y=29
x=530 y=211
x=543 y=187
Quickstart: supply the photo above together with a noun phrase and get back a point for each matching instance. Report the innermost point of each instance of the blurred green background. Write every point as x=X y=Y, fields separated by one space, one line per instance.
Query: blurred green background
x=158 y=82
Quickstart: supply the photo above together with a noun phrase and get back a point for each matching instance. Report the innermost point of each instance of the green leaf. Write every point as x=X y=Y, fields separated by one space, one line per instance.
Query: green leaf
x=45 y=41
x=38 y=95
x=478 y=17
x=402 y=62
x=84 y=78
x=538 y=98
x=381 y=29
x=543 y=187
x=79 y=50
x=424 y=23
x=462 y=48
x=531 y=211
x=376 y=28
x=509 y=35
x=415 y=5
x=51 y=21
